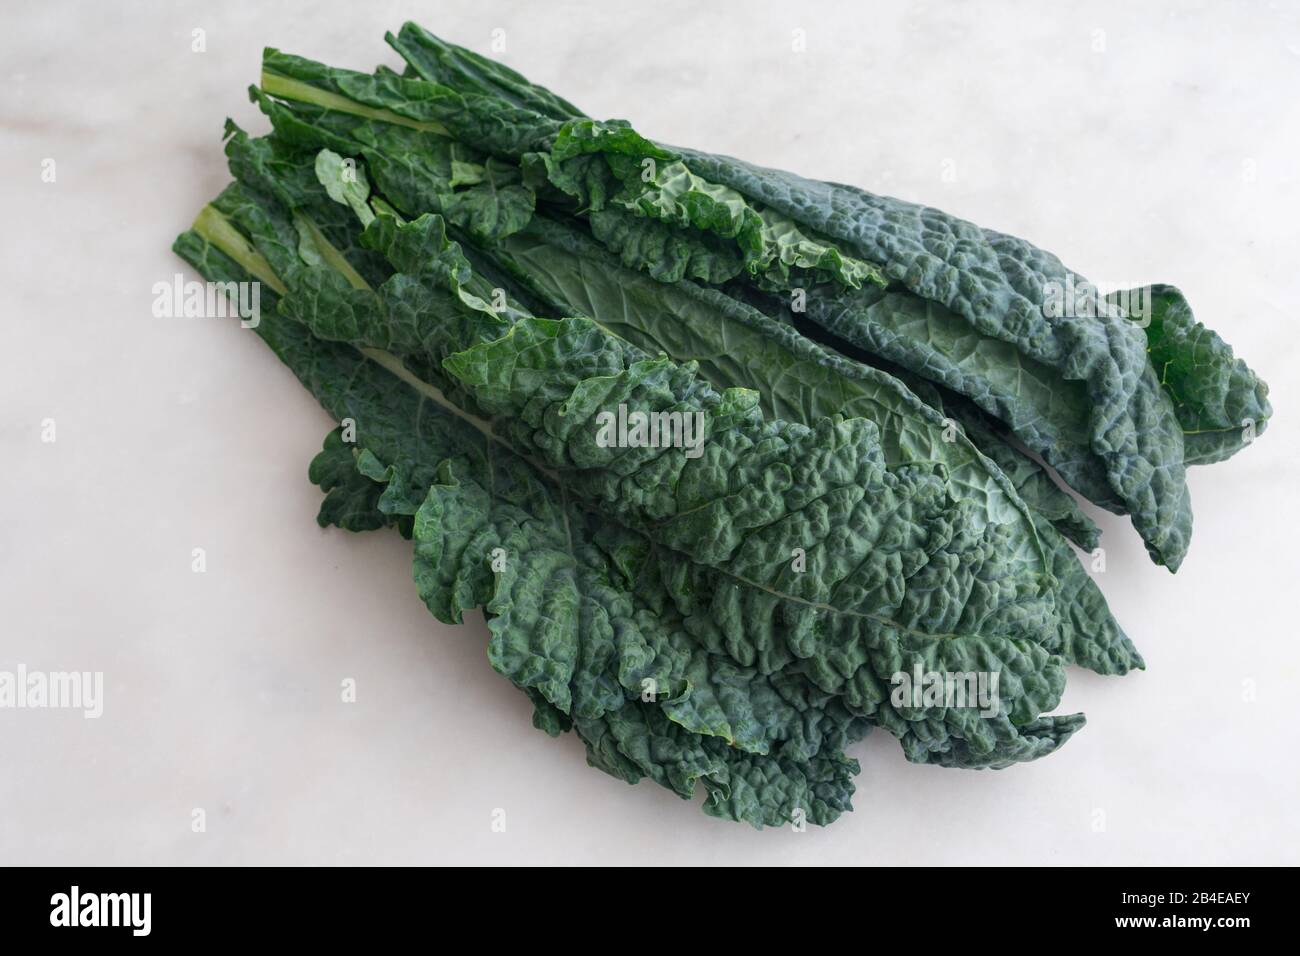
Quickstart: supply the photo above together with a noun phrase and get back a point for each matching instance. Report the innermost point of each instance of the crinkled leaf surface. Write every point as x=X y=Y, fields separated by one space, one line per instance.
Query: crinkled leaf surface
x=730 y=784
x=967 y=307
x=731 y=619
x=735 y=345
x=777 y=750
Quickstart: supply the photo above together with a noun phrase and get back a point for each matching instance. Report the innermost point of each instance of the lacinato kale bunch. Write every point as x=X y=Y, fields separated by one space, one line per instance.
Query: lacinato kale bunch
x=737 y=465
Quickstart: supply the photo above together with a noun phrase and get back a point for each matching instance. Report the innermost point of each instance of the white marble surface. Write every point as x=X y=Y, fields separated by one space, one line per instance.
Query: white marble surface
x=1169 y=155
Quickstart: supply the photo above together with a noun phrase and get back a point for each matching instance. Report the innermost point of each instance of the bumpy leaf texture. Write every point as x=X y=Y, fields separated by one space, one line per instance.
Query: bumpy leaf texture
x=558 y=626
x=567 y=623
x=478 y=279
x=1117 y=409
